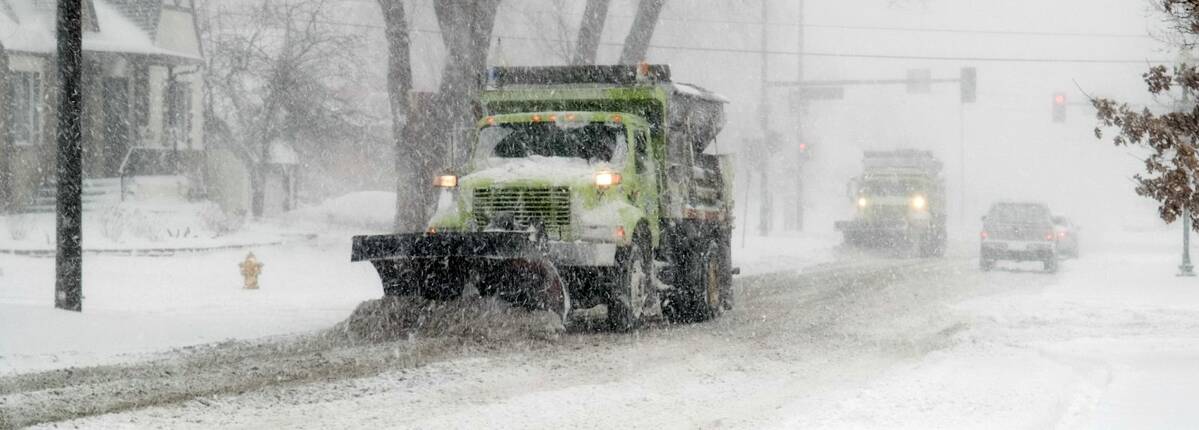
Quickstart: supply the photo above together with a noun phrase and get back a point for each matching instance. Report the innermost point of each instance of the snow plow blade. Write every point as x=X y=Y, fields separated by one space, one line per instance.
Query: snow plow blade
x=509 y=265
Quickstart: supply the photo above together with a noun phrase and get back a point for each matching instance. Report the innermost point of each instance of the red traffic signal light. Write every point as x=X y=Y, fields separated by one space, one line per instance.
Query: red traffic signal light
x=1059 y=107
x=803 y=147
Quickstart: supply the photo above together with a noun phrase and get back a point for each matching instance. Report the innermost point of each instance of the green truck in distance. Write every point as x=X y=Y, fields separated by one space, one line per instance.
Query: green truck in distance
x=587 y=185
x=899 y=202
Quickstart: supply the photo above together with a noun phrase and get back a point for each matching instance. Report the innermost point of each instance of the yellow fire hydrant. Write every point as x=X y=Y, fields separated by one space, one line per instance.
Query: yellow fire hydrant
x=250 y=269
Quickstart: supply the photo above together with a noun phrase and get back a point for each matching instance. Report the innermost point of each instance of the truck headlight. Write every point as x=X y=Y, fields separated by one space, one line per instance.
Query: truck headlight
x=919 y=203
x=445 y=181
x=607 y=179
x=862 y=202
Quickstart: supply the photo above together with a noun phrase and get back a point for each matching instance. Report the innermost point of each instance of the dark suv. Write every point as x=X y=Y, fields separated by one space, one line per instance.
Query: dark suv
x=1018 y=231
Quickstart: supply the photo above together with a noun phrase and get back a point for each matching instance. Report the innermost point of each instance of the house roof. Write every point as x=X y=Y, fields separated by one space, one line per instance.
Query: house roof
x=144 y=13
x=29 y=26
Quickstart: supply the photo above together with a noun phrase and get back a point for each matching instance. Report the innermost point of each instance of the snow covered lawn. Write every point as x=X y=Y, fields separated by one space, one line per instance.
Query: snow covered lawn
x=146 y=304
x=134 y=306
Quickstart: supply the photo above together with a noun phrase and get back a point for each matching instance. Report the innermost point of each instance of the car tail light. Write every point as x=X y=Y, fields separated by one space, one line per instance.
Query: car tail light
x=1049 y=236
x=1061 y=235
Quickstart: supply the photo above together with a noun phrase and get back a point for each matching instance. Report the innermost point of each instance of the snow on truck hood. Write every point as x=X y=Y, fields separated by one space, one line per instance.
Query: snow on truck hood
x=554 y=170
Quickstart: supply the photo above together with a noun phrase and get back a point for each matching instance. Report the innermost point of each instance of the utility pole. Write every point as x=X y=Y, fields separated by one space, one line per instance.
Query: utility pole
x=69 y=210
x=766 y=215
x=962 y=162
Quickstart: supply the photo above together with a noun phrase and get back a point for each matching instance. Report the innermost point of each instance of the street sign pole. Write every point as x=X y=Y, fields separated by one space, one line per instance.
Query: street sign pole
x=1186 y=269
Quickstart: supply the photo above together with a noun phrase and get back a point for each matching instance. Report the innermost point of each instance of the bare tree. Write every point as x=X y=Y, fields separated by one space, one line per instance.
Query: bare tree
x=636 y=45
x=409 y=156
x=555 y=26
x=272 y=76
x=591 y=31
x=466 y=27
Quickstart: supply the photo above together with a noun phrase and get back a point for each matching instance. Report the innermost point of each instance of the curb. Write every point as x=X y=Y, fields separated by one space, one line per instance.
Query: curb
x=140 y=252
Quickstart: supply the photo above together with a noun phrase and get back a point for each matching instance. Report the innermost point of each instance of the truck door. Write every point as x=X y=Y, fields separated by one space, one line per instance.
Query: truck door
x=647 y=175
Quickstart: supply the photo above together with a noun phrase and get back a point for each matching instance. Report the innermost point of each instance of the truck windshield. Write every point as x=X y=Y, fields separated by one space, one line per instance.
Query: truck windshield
x=592 y=141
x=889 y=188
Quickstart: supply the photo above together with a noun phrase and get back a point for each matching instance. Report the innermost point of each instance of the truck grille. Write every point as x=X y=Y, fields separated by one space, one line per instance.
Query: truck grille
x=886 y=214
x=548 y=205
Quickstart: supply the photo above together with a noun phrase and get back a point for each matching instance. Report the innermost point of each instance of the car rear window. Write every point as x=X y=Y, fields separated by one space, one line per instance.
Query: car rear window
x=1018 y=212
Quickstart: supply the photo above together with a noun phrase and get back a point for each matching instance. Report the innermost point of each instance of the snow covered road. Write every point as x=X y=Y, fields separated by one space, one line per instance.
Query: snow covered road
x=1109 y=342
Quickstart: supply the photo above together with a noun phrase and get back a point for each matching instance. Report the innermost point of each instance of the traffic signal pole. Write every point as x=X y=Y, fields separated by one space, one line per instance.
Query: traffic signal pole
x=69 y=204
x=767 y=211
x=800 y=111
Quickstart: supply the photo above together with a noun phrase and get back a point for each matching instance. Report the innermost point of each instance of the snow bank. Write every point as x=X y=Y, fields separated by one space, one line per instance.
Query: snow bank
x=137 y=225
x=477 y=318
x=374 y=210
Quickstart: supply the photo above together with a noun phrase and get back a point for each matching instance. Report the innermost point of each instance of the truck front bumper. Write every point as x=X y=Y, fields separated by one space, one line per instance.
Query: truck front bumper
x=485 y=245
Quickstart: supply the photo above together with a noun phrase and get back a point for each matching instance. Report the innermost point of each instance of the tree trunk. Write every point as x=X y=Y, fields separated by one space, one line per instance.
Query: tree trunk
x=636 y=45
x=591 y=31
x=411 y=185
x=466 y=28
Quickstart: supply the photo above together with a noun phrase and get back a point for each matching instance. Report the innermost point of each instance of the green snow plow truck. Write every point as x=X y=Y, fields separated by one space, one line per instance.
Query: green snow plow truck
x=587 y=185
x=899 y=203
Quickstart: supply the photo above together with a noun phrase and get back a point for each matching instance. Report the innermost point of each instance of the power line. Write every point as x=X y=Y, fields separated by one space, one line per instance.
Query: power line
x=791 y=53
x=988 y=32
x=885 y=28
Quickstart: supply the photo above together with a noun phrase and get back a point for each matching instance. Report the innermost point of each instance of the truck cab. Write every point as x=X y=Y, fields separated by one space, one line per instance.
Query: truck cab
x=898 y=202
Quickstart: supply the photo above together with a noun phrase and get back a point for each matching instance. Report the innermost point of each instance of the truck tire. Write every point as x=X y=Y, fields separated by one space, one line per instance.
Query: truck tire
x=986 y=264
x=727 y=299
x=697 y=295
x=627 y=298
x=935 y=242
x=1050 y=264
x=712 y=280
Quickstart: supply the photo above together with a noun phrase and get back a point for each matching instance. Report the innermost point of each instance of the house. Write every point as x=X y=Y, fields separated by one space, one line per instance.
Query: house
x=142 y=96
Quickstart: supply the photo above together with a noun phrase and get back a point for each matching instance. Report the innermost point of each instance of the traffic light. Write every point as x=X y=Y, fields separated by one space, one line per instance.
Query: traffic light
x=969 y=84
x=805 y=152
x=1059 y=107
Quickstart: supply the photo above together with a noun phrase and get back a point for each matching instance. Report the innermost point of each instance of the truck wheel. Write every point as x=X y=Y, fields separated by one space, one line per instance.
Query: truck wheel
x=712 y=282
x=627 y=299
x=1050 y=264
x=935 y=243
x=727 y=299
x=986 y=264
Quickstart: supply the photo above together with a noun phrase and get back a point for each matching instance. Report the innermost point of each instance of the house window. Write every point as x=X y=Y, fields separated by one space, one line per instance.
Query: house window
x=178 y=115
x=25 y=97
